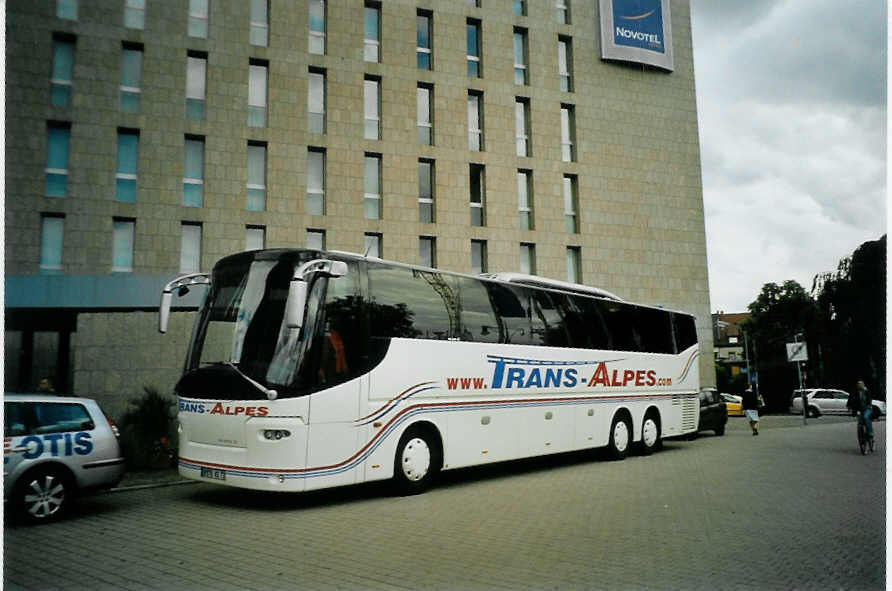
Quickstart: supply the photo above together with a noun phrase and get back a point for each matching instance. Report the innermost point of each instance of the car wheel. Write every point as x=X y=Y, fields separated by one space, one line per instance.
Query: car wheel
x=43 y=495
x=417 y=462
x=620 y=438
x=720 y=430
x=650 y=433
x=813 y=412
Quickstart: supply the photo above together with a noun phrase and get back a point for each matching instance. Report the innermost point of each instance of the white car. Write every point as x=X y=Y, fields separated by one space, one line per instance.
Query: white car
x=824 y=401
x=53 y=448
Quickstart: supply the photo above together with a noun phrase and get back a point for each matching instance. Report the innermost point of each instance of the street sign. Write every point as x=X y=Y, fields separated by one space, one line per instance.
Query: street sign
x=797 y=352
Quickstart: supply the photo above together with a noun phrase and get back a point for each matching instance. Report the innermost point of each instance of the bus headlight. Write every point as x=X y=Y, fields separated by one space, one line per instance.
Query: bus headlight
x=276 y=434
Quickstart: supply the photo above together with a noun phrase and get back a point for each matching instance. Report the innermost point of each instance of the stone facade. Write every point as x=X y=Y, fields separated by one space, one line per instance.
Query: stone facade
x=641 y=216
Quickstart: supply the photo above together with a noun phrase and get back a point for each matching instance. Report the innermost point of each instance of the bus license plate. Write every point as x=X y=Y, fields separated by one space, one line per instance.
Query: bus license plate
x=212 y=473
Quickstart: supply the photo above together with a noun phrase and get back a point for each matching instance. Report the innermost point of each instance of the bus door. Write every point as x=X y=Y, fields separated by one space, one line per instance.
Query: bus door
x=340 y=384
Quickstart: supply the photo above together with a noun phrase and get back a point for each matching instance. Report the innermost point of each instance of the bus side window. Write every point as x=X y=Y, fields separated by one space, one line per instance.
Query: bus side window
x=620 y=320
x=512 y=306
x=685 y=331
x=547 y=321
x=592 y=324
x=411 y=304
x=478 y=319
x=655 y=330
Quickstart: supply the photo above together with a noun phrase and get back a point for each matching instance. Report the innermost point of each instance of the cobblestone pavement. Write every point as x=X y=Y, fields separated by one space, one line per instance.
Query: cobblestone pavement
x=795 y=508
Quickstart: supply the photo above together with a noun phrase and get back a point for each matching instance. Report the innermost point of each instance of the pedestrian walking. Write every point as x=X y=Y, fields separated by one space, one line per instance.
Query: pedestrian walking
x=751 y=409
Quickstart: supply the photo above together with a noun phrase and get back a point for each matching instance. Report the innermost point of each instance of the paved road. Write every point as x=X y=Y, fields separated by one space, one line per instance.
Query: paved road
x=795 y=508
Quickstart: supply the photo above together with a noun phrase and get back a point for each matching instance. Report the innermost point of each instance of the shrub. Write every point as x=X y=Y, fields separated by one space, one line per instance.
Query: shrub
x=148 y=437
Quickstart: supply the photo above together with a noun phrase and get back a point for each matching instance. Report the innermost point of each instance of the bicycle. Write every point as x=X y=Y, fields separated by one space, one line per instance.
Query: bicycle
x=864 y=441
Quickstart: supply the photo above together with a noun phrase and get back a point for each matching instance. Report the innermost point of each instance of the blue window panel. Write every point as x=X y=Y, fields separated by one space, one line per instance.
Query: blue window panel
x=128 y=152
x=256 y=200
x=125 y=190
x=61 y=95
x=57 y=151
x=195 y=109
x=122 y=246
x=51 y=244
x=192 y=194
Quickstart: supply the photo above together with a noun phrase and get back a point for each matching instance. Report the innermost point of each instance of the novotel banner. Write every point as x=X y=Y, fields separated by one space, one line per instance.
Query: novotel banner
x=637 y=31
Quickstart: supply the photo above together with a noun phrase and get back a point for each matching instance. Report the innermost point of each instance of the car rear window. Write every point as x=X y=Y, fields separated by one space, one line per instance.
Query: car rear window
x=37 y=418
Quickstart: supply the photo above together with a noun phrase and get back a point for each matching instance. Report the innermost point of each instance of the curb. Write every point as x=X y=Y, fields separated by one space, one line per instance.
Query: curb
x=150 y=485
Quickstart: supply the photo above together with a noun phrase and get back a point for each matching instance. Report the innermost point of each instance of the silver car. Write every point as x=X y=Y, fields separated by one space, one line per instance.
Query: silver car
x=53 y=448
x=824 y=401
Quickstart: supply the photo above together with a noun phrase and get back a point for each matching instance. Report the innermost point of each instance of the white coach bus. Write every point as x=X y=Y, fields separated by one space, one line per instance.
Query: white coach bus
x=311 y=369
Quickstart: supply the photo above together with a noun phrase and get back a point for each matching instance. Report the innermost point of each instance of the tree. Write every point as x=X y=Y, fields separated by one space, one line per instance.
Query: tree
x=779 y=314
x=851 y=304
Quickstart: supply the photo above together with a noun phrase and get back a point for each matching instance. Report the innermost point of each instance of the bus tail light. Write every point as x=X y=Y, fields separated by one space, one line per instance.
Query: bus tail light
x=276 y=434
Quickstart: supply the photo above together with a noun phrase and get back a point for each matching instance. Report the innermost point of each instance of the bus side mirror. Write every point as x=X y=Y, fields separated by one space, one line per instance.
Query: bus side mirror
x=164 y=312
x=297 y=301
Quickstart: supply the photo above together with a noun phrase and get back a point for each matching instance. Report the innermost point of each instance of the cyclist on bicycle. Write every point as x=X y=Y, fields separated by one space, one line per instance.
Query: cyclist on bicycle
x=860 y=404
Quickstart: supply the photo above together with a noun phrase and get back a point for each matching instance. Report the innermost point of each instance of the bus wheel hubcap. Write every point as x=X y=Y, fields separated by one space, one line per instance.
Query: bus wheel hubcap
x=620 y=436
x=650 y=433
x=416 y=459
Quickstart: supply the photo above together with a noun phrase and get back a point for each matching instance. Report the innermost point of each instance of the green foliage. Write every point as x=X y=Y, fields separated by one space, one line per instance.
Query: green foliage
x=851 y=303
x=725 y=382
x=148 y=433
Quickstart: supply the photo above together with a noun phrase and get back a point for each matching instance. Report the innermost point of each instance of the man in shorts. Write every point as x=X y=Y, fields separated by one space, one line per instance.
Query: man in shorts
x=751 y=409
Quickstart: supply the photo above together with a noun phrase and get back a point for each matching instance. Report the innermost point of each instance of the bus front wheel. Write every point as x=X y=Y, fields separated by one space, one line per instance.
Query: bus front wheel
x=620 y=437
x=417 y=462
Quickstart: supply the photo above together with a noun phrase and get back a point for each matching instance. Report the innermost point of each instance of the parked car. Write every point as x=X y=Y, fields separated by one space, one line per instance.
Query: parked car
x=733 y=404
x=824 y=401
x=713 y=415
x=55 y=447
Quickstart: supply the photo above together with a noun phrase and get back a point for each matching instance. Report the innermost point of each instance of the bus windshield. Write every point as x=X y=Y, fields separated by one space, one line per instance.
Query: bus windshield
x=240 y=336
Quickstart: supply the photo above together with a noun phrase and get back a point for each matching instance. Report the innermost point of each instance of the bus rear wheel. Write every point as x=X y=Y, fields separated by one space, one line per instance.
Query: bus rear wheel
x=417 y=462
x=650 y=434
x=620 y=438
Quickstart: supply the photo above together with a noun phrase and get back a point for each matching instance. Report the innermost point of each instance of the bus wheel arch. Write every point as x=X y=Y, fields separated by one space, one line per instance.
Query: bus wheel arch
x=620 y=434
x=651 y=431
x=418 y=458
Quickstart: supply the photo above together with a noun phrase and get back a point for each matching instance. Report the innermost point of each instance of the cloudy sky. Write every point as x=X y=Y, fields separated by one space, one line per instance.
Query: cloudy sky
x=791 y=97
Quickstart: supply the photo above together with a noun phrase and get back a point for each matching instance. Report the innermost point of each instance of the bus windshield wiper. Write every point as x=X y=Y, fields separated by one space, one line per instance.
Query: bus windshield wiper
x=270 y=394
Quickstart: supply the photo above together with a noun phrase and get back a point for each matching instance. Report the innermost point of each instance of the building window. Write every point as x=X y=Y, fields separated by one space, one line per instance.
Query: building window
x=478 y=197
x=198 y=18
x=51 y=234
x=520 y=7
x=574 y=264
x=371 y=202
x=131 y=76
x=522 y=126
x=63 y=67
x=424 y=45
x=521 y=57
x=427 y=251
x=196 y=84
x=473 y=3
x=135 y=14
x=259 y=23
x=426 y=191
x=565 y=63
x=372 y=107
x=372 y=33
x=317 y=27
x=190 y=247
x=258 y=72
x=478 y=257
x=56 y=171
x=571 y=204
x=425 y=96
x=193 y=171
x=475 y=120
x=316 y=239
x=527 y=258
x=372 y=245
x=128 y=157
x=316 y=101
x=562 y=11
x=568 y=133
x=525 y=199
x=66 y=9
x=316 y=181
x=256 y=186
x=123 y=231
x=475 y=68
x=255 y=237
